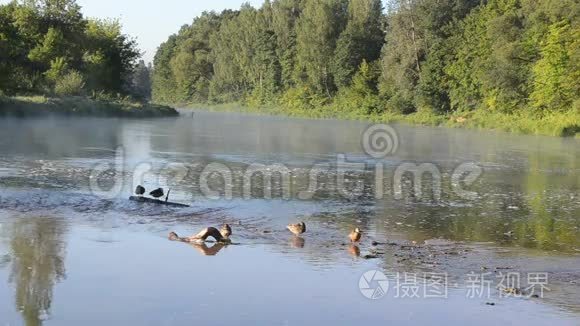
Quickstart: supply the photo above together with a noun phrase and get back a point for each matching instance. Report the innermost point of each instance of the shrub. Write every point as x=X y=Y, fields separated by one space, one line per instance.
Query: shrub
x=302 y=98
x=71 y=83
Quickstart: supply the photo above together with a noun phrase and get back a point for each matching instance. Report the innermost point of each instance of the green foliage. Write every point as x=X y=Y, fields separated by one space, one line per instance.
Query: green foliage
x=556 y=82
x=362 y=95
x=503 y=60
x=163 y=88
x=110 y=57
x=432 y=93
x=48 y=42
x=425 y=59
x=105 y=106
x=317 y=30
x=58 y=68
x=284 y=14
x=361 y=40
x=141 y=82
x=302 y=98
x=71 y=83
x=50 y=48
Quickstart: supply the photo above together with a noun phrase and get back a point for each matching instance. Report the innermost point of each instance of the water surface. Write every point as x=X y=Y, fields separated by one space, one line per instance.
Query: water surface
x=74 y=249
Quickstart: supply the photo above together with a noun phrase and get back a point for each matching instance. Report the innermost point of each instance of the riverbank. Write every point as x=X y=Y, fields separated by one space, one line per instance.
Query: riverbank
x=26 y=106
x=561 y=124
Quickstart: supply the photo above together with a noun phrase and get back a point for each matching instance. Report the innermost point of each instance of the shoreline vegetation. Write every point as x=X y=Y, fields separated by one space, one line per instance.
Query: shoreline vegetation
x=34 y=106
x=54 y=60
x=510 y=65
x=555 y=124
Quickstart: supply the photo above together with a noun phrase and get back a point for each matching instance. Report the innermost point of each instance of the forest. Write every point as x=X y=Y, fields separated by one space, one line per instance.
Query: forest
x=488 y=61
x=47 y=47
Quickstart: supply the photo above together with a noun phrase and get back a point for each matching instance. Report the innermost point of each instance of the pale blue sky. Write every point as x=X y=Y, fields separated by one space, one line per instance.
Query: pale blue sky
x=151 y=22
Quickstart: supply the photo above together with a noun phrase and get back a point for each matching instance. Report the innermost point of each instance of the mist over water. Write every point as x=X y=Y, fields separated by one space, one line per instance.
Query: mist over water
x=59 y=238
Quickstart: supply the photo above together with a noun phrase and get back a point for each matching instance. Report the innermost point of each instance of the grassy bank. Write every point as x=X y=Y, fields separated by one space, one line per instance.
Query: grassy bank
x=552 y=124
x=28 y=106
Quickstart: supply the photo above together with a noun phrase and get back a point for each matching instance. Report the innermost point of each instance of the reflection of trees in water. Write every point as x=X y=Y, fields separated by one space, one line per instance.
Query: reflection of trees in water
x=38 y=248
x=532 y=208
x=553 y=219
x=52 y=137
x=4 y=260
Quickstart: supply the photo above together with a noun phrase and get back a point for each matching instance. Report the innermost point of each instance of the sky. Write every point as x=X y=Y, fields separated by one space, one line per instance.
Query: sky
x=151 y=22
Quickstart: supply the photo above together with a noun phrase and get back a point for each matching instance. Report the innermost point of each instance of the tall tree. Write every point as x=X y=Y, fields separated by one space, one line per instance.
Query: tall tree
x=164 y=84
x=556 y=76
x=284 y=16
x=361 y=40
x=415 y=52
x=403 y=53
x=317 y=32
x=141 y=81
x=192 y=64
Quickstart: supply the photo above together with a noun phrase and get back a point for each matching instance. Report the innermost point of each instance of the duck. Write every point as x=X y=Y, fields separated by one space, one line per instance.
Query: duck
x=297 y=229
x=226 y=231
x=140 y=190
x=355 y=235
x=201 y=237
x=157 y=193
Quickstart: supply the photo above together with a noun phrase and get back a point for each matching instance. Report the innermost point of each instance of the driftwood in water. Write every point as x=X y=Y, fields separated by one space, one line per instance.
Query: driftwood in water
x=156 y=201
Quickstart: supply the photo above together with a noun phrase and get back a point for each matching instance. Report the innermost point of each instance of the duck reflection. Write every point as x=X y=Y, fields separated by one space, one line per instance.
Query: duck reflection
x=354 y=250
x=4 y=260
x=297 y=242
x=37 y=264
x=205 y=250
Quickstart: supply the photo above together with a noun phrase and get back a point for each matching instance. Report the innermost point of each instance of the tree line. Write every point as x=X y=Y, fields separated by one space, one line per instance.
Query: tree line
x=408 y=56
x=49 y=47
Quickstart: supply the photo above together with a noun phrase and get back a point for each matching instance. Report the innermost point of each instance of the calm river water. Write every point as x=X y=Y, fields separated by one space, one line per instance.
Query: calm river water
x=496 y=210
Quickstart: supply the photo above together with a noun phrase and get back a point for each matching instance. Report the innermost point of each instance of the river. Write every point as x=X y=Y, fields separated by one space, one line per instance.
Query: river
x=491 y=212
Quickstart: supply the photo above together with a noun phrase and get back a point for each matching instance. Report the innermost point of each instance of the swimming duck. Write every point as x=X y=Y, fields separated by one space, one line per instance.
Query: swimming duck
x=201 y=236
x=209 y=232
x=140 y=190
x=157 y=193
x=226 y=231
x=355 y=235
x=297 y=229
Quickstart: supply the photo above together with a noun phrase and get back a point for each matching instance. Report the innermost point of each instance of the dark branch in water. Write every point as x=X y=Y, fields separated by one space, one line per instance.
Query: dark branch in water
x=156 y=201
